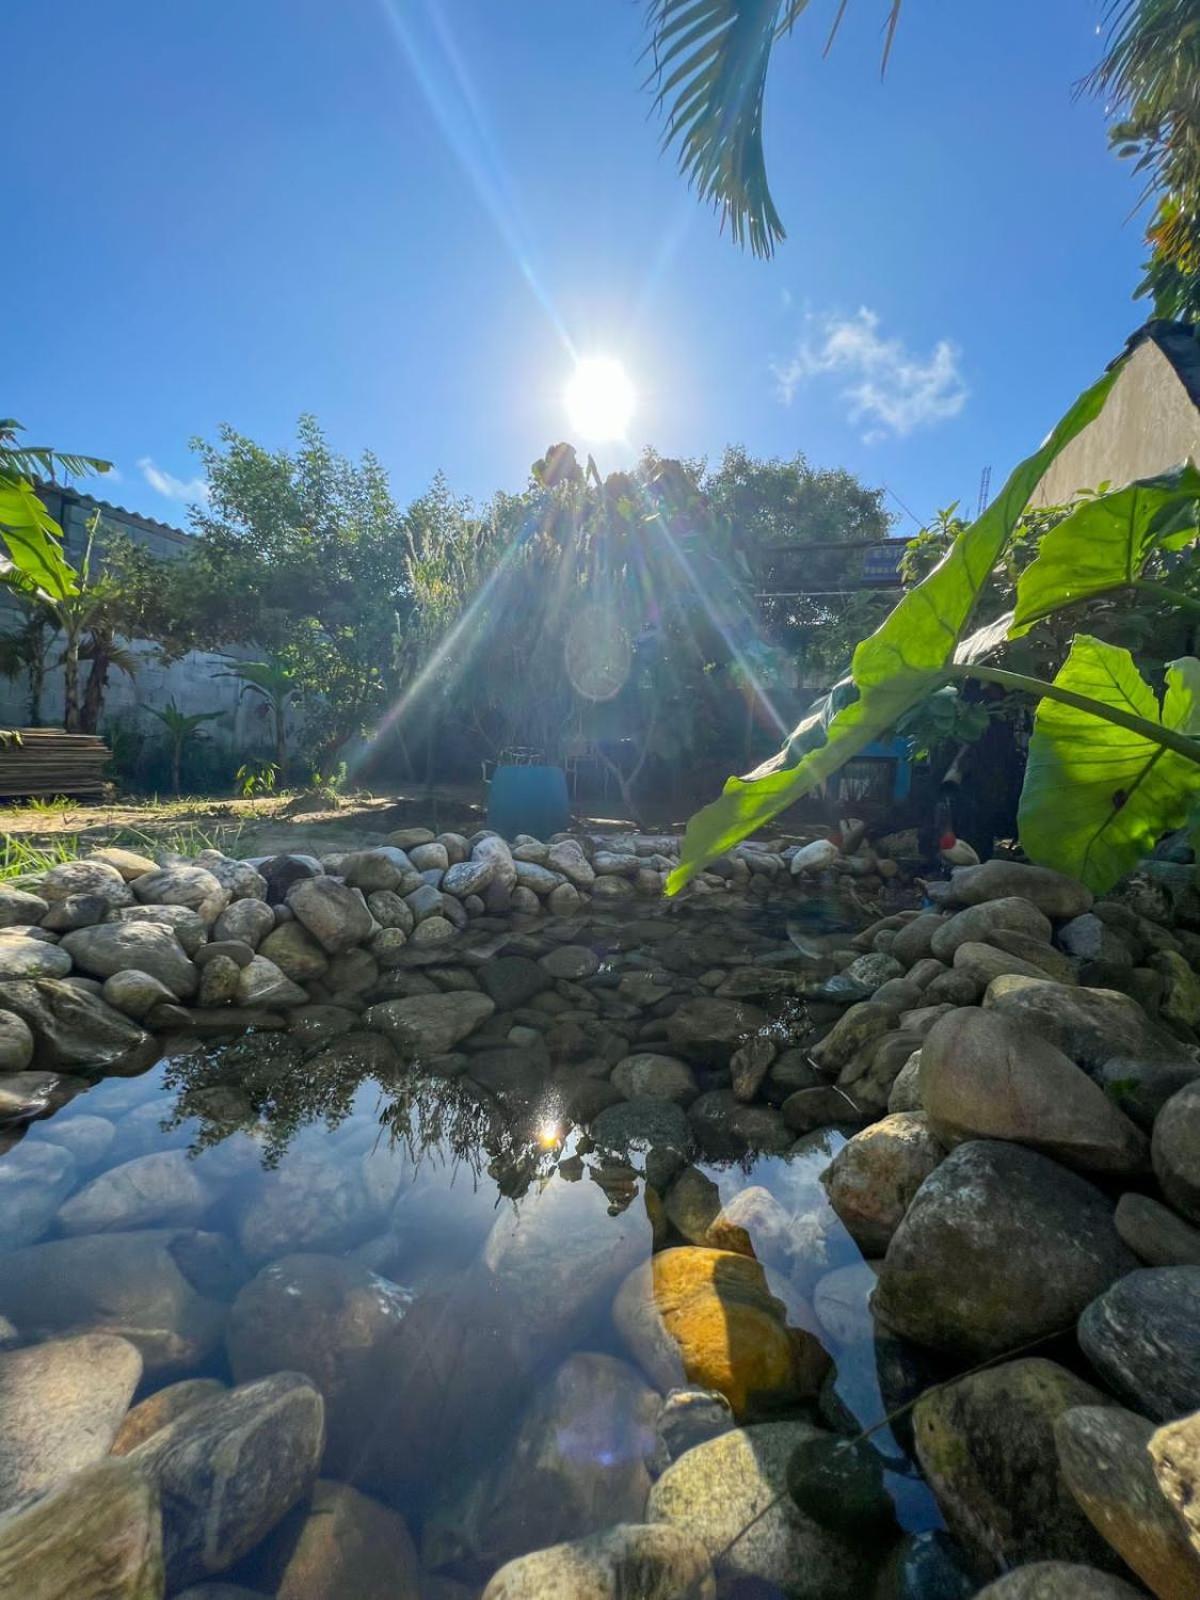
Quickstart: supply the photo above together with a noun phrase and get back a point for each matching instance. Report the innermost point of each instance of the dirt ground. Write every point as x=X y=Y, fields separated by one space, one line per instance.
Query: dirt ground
x=264 y=825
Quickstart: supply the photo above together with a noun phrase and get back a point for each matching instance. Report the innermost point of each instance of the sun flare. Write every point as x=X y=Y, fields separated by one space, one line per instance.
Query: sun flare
x=600 y=399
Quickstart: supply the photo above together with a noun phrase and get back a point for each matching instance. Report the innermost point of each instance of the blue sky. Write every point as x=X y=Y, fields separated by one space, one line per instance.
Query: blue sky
x=404 y=215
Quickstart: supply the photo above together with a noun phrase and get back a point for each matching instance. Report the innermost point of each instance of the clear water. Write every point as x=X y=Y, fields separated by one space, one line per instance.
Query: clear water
x=482 y=1245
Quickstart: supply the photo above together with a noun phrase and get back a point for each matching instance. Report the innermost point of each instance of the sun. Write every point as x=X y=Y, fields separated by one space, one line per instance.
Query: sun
x=600 y=399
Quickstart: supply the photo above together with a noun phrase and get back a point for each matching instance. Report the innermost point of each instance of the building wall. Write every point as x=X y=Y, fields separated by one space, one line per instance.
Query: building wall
x=192 y=681
x=1149 y=425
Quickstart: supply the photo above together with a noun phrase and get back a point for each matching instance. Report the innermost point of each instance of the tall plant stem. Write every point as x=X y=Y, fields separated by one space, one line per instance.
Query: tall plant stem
x=1168 y=597
x=1154 y=731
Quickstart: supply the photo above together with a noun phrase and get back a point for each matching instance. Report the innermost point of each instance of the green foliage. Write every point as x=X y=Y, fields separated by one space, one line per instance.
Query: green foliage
x=894 y=669
x=1098 y=796
x=27 y=530
x=256 y=777
x=182 y=730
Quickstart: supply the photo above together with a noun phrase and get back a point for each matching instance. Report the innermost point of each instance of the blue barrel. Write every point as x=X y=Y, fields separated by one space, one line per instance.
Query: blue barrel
x=529 y=800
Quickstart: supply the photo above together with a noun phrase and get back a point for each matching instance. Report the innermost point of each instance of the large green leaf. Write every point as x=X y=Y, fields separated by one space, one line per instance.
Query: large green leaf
x=1104 y=543
x=1098 y=796
x=32 y=538
x=902 y=662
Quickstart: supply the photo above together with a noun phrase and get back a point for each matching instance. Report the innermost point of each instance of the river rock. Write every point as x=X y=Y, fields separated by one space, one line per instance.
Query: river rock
x=20 y=909
x=986 y=1444
x=241 y=878
x=87 y=1138
x=61 y=1403
x=1175 y=1454
x=651 y=1562
x=693 y=1315
x=250 y=920
x=1104 y=1456
x=725 y=1127
x=34 y=1180
x=659 y=1077
x=25 y=1096
x=23 y=956
x=1059 y=1580
x=429 y=1024
x=731 y=1495
x=187 y=926
x=977 y=923
x=320 y=1198
x=76 y=911
x=261 y=983
x=230 y=1471
x=644 y=1124
x=220 y=977
x=161 y=1190
x=156 y=1288
x=16 y=1043
x=1142 y=1335
x=71 y=1027
x=1155 y=1234
x=709 y=1031
x=335 y=915
x=295 y=952
x=577 y=1464
x=874 y=1176
x=385 y=867
x=72 y=878
x=513 y=981
x=96 y=1537
x=853 y=1030
x=984 y=1075
x=818 y=856
x=568 y=858
x=322 y=1316
x=136 y=994
x=140 y=946
x=193 y=887
x=162 y=1407
x=564 y=901
x=1175 y=1150
x=129 y=863
x=571 y=962
x=343 y=1545
x=999 y=1246
x=1053 y=893
x=1088 y=1025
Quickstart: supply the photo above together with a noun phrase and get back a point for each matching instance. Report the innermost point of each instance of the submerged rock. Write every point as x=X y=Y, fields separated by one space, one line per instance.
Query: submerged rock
x=99 y=1534
x=162 y=1407
x=71 y=1027
x=429 y=1024
x=34 y=1180
x=340 y=1543
x=1059 y=1580
x=163 y=1189
x=651 y=1562
x=731 y=1495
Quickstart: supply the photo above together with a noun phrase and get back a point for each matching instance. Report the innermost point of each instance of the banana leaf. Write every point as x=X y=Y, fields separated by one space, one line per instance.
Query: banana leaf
x=1097 y=796
x=902 y=662
x=1105 y=542
x=32 y=537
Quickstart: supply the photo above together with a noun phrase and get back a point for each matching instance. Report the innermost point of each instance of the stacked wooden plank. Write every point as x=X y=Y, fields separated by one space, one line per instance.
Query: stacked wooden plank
x=47 y=761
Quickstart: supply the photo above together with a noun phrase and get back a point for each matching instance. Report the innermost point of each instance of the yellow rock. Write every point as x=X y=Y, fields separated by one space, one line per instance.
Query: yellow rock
x=707 y=1317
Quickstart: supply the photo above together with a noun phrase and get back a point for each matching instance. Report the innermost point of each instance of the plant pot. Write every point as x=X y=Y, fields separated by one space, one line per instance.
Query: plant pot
x=528 y=799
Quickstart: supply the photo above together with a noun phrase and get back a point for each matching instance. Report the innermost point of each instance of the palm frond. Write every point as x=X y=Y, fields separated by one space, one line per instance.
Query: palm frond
x=40 y=461
x=711 y=59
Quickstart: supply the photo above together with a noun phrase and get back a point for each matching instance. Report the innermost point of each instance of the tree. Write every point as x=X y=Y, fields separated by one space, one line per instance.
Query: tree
x=182 y=730
x=27 y=530
x=274 y=684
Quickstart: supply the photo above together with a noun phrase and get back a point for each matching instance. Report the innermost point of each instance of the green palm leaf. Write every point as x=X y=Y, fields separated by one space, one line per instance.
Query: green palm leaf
x=711 y=59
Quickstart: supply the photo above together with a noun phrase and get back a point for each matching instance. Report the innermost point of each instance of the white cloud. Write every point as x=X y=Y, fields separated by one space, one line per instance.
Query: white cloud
x=168 y=485
x=891 y=388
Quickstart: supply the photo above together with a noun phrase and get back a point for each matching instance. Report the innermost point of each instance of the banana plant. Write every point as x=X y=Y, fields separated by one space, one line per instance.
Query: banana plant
x=28 y=532
x=1096 y=706
x=182 y=730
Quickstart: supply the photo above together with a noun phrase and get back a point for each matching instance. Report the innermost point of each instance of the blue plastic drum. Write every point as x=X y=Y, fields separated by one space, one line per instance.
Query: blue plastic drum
x=529 y=800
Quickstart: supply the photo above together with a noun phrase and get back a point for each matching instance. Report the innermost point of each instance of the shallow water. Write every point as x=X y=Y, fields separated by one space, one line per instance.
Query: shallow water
x=459 y=1254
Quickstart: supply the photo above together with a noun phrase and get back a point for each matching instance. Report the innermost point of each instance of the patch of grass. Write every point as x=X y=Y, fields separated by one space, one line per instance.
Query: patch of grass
x=23 y=858
x=20 y=859
x=183 y=838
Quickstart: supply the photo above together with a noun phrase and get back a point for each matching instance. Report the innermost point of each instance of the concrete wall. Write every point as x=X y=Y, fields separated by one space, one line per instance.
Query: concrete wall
x=242 y=729
x=1148 y=425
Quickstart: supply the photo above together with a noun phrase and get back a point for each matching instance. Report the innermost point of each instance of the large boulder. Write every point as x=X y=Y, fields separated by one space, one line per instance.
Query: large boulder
x=160 y=1190
x=731 y=1495
x=96 y=1537
x=158 y=1288
x=702 y=1316
x=1142 y=1335
x=650 y=1561
x=578 y=1463
x=1000 y=1246
x=113 y=947
x=71 y=878
x=1089 y=1025
x=320 y=1198
x=230 y=1470
x=24 y=956
x=1175 y=1150
x=1104 y=1456
x=429 y=1024
x=335 y=914
x=71 y=1027
x=985 y=1076
x=61 y=1404
x=322 y=1316
x=986 y=1444
x=874 y=1176
x=249 y=920
x=1053 y=893
x=187 y=926
x=709 y=1031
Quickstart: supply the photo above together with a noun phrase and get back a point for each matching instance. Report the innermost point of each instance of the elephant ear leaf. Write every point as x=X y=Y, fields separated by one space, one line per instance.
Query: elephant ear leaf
x=1097 y=796
x=903 y=661
x=1104 y=543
